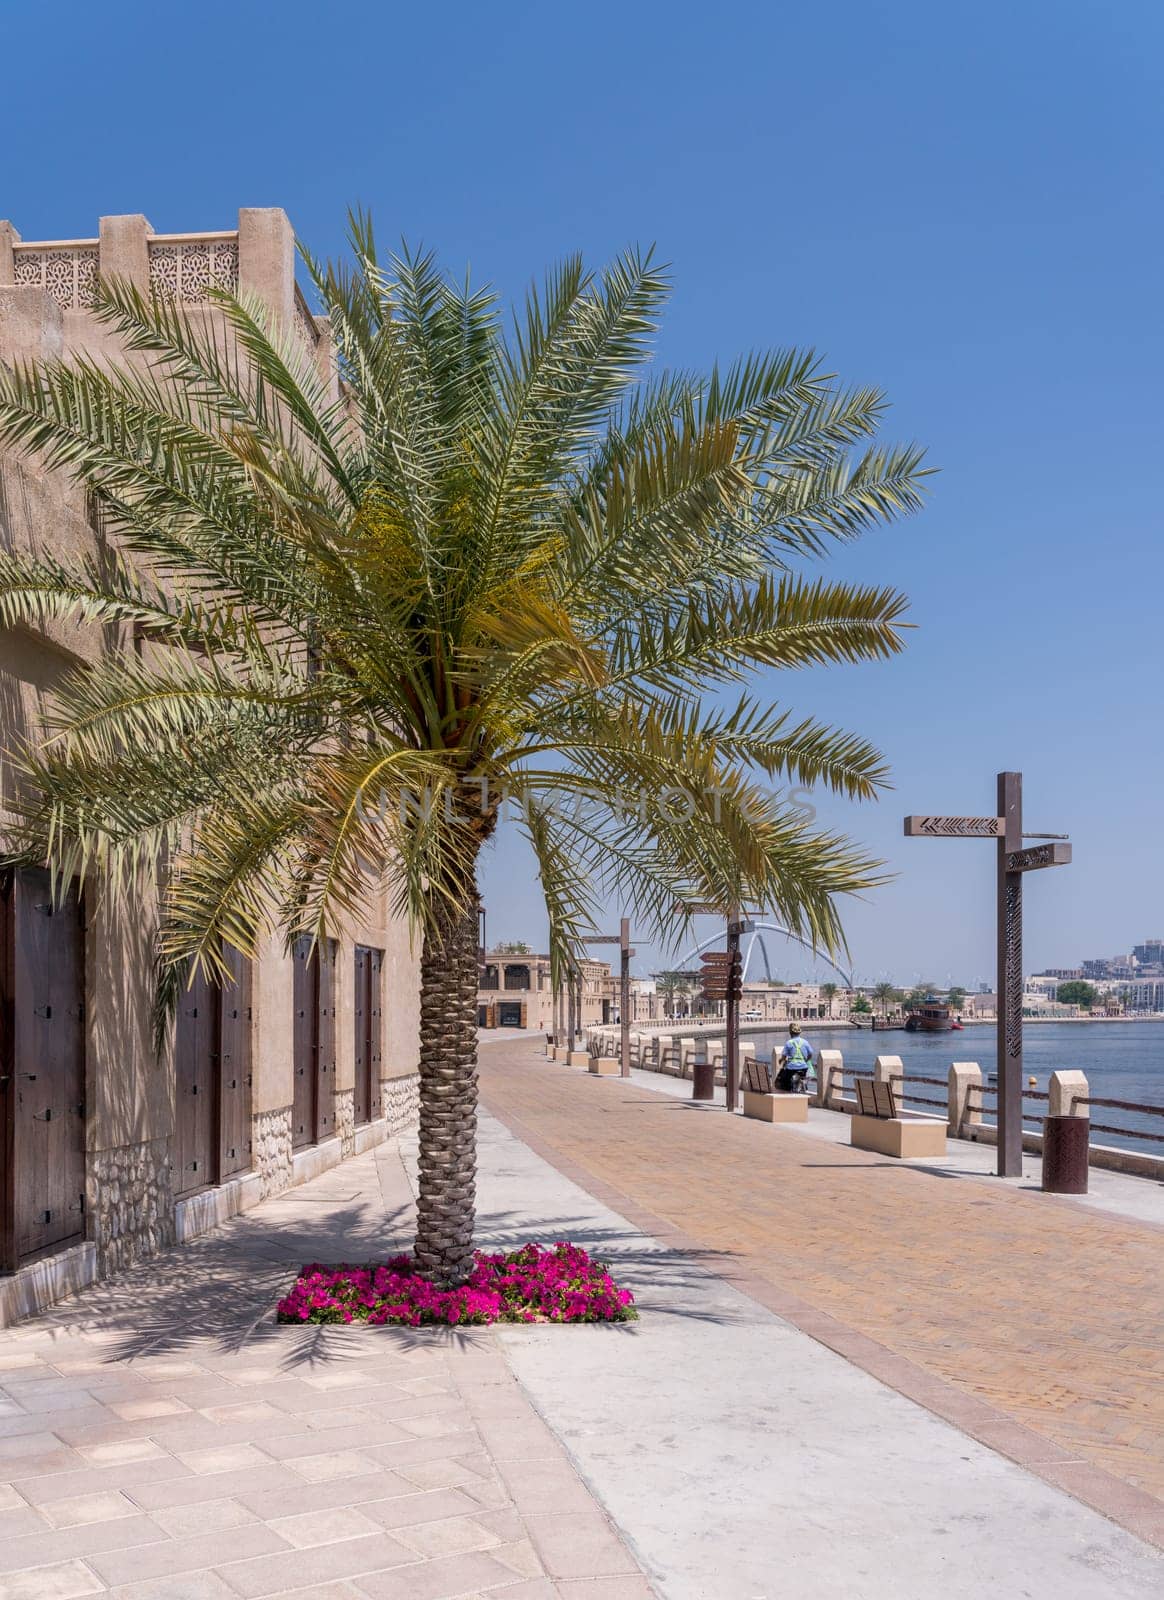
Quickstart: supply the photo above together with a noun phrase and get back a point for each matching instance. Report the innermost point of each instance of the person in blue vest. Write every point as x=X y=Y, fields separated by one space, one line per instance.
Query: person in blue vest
x=796 y=1063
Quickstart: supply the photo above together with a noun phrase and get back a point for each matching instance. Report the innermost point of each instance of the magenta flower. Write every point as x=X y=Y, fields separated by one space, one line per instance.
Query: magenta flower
x=536 y=1283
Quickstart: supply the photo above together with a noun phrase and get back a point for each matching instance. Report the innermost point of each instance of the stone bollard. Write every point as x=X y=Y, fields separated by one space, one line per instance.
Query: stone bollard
x=1065 y=1089
x=888 y=1069
x=830 y=1067
x=686 y=1057
x=965 y=1106
x=663 y=1052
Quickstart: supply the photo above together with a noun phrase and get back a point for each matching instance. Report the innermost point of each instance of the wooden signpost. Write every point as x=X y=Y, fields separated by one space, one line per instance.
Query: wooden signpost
x=622 y=940
x=1013 y=861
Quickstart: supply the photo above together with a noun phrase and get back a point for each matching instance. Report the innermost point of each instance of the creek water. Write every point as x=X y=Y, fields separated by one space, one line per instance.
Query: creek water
x=1122 y=1060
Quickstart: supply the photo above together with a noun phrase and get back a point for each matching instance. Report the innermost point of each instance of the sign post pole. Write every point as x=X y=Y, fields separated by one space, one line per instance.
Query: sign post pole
x=1013 y=861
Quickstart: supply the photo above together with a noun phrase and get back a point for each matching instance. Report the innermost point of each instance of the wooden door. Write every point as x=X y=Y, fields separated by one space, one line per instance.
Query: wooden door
x=196 y=1075
x=42 y=1068
x=369 y=964
x=235 y=1070
x=304 y=1001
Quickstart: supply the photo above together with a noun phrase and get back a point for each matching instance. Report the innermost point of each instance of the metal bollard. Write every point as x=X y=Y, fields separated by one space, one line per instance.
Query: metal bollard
x=703 y=1081
x=1065 y=1150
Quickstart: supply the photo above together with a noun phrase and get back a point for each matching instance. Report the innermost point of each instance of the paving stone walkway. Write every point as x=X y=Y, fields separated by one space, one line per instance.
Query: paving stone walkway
x=1029 y=1322
x=161 y=1438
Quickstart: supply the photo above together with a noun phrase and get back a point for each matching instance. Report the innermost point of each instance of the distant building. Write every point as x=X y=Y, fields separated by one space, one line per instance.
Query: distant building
x=1150 y=953
x=516 y=991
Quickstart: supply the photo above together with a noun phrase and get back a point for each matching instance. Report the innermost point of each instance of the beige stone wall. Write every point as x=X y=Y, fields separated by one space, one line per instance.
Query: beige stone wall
x=130 y=1092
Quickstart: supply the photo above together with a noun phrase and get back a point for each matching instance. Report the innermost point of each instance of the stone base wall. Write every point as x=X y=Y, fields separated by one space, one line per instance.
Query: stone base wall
x=400 y=1098
x=131 y=1201
x=272 y=1146
x=345 y=1121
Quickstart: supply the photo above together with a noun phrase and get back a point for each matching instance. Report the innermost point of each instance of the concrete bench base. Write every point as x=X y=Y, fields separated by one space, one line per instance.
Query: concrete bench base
x=776 y=1107
x=578 y=1058
x=605 y=1066
x=903 y=1137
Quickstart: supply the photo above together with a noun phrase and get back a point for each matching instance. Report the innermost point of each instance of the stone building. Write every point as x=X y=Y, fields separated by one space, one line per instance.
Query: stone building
x=106 y=1151
x=516 y=992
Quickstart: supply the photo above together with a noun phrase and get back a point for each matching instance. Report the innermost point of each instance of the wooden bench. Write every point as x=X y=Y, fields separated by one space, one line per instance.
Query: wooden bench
x=766 y=1104
x=879 y=1125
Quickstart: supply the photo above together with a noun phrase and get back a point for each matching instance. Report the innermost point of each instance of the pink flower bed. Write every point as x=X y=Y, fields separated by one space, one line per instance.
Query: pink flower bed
x=537 y=1283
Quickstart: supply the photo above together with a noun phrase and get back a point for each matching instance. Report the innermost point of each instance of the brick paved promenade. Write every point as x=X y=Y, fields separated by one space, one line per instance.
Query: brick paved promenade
x=1031 y=1323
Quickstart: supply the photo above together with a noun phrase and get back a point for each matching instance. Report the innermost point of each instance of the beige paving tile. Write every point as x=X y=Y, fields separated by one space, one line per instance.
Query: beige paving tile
x=146 y=1410
x=521 y=1556
x=404 y=1511
x=120 y=1451
x=442 y=1474
x=448 y=1537
x=87 y=1480
x=542 y=1486
x=439 y=1580
x=200 y=1553
x=247 y=1411
x=311 y=1441
x=371 y=1486
x=84 y=1541
x=181 y=1522
x=578 y=1544
x=18 y=1360
x=65 y=1581
x=435 y=1427
x=183 y=1586
x=341 y=1464
x=323 y=1564
x=192 y=1488
x=230 y=1458
x=323 y=1527
x=20 y=1520
x=101 y=1507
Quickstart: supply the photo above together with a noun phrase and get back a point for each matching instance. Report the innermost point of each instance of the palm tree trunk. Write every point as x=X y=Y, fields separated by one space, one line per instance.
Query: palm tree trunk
x=445 y=1206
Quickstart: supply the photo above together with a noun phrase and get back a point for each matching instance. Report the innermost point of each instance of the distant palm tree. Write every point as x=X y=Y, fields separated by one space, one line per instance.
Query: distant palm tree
x=830 y=992
x=672 y=986
x=885 y=994
x=342 y=622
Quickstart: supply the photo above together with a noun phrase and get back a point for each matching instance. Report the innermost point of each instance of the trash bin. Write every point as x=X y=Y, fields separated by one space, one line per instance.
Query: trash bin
x=1065 y=1142
x=703 y=1081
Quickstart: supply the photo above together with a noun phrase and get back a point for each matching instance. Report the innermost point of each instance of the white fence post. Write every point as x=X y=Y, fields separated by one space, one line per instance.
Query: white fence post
x=830 y=1066
x=965 y=1096
x=1065 y=1089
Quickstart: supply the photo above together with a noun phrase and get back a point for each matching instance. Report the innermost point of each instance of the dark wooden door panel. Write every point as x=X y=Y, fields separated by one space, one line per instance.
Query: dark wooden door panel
x=363 y=971
x=46 y=1065
x=235 y=1070
x=375 y=1032
x=196 y=1058
x=304 y=1003
x=324 y=960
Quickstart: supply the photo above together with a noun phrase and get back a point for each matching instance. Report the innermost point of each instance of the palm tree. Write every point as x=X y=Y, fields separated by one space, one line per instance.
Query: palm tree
x=885 y=994
x=672 y=985
x=829 y=991
x=346 y=624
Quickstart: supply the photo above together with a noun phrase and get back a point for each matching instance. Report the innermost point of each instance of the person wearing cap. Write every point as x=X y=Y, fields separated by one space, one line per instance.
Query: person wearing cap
x=796 y=1062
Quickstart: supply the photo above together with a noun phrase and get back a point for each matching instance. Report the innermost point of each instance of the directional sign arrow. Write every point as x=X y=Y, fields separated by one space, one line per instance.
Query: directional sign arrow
x=955 y=827
x=1038 y=855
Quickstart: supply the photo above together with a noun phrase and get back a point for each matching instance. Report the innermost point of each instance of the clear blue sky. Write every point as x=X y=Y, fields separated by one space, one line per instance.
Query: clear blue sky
x=959 y=202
